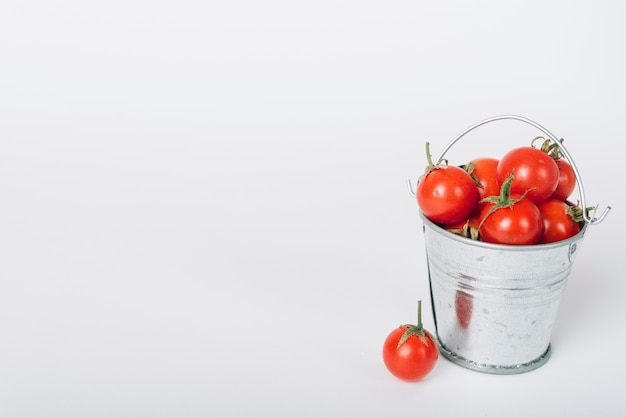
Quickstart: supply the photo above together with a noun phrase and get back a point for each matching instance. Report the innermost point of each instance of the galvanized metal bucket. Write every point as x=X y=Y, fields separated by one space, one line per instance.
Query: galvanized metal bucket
x=494 y=305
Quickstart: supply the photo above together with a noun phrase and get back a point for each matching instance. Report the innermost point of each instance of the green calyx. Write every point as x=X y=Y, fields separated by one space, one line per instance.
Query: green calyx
x=549 y=147
x=467 y=231
x=576 y=212
x=503 y=200
x=416 y=330
x=469 y=168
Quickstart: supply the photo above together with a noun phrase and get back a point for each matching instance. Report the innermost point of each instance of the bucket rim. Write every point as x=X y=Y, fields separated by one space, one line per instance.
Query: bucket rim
x=503 y=247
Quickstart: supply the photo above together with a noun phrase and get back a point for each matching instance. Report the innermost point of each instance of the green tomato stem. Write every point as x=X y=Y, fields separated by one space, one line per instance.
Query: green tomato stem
x=429 y=158
x=503 y=200
x=416 y=330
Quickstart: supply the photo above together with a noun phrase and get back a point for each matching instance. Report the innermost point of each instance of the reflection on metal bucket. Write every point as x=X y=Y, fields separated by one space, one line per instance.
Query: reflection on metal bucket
x=495 y=305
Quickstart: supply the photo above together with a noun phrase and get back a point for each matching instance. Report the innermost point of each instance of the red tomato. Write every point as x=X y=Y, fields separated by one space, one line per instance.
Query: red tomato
x=567 y=180
x=519 y=223
x=447 y=194
x=410 y=352
x=559 y=221
x=567 y=177
x=484 y=171
x=533 y=169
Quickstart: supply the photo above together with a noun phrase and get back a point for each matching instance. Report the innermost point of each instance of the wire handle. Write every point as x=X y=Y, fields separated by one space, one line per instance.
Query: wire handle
x=586 y=216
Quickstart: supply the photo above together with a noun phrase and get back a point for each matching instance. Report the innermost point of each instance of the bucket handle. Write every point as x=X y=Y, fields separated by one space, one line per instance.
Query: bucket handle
x=586 y=216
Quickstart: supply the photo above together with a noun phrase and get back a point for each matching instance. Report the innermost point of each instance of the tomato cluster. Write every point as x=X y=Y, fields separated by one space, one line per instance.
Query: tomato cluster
x=519 y=199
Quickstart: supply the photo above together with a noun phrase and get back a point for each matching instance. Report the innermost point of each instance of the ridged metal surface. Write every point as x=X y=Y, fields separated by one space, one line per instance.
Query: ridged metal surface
x=495 y=305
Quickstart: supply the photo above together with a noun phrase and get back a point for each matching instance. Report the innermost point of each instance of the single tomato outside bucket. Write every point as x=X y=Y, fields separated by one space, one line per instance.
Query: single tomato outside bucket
x=495 y=306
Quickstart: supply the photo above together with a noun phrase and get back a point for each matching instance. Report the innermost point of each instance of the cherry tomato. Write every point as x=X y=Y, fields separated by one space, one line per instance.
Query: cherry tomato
x=567 y=180
x=517 y=224
x=534 y=171
x=484 y=172
x=447 y=194
x=560 y=220
x=410 y=352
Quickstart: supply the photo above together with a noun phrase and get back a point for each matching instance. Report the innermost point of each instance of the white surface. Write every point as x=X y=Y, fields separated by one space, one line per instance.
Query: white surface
x=203 y=207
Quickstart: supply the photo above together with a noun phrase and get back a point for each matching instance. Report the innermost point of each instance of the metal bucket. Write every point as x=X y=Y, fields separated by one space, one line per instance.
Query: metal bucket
x=494 y=305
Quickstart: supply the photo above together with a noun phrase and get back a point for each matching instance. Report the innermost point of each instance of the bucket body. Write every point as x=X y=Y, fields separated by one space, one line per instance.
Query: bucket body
x=495 y=306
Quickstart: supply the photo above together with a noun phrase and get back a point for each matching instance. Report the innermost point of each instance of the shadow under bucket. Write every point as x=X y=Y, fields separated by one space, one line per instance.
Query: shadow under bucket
x=494 y=305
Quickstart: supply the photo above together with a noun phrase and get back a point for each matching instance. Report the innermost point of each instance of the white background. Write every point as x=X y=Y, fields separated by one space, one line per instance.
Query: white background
x=203 y=209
